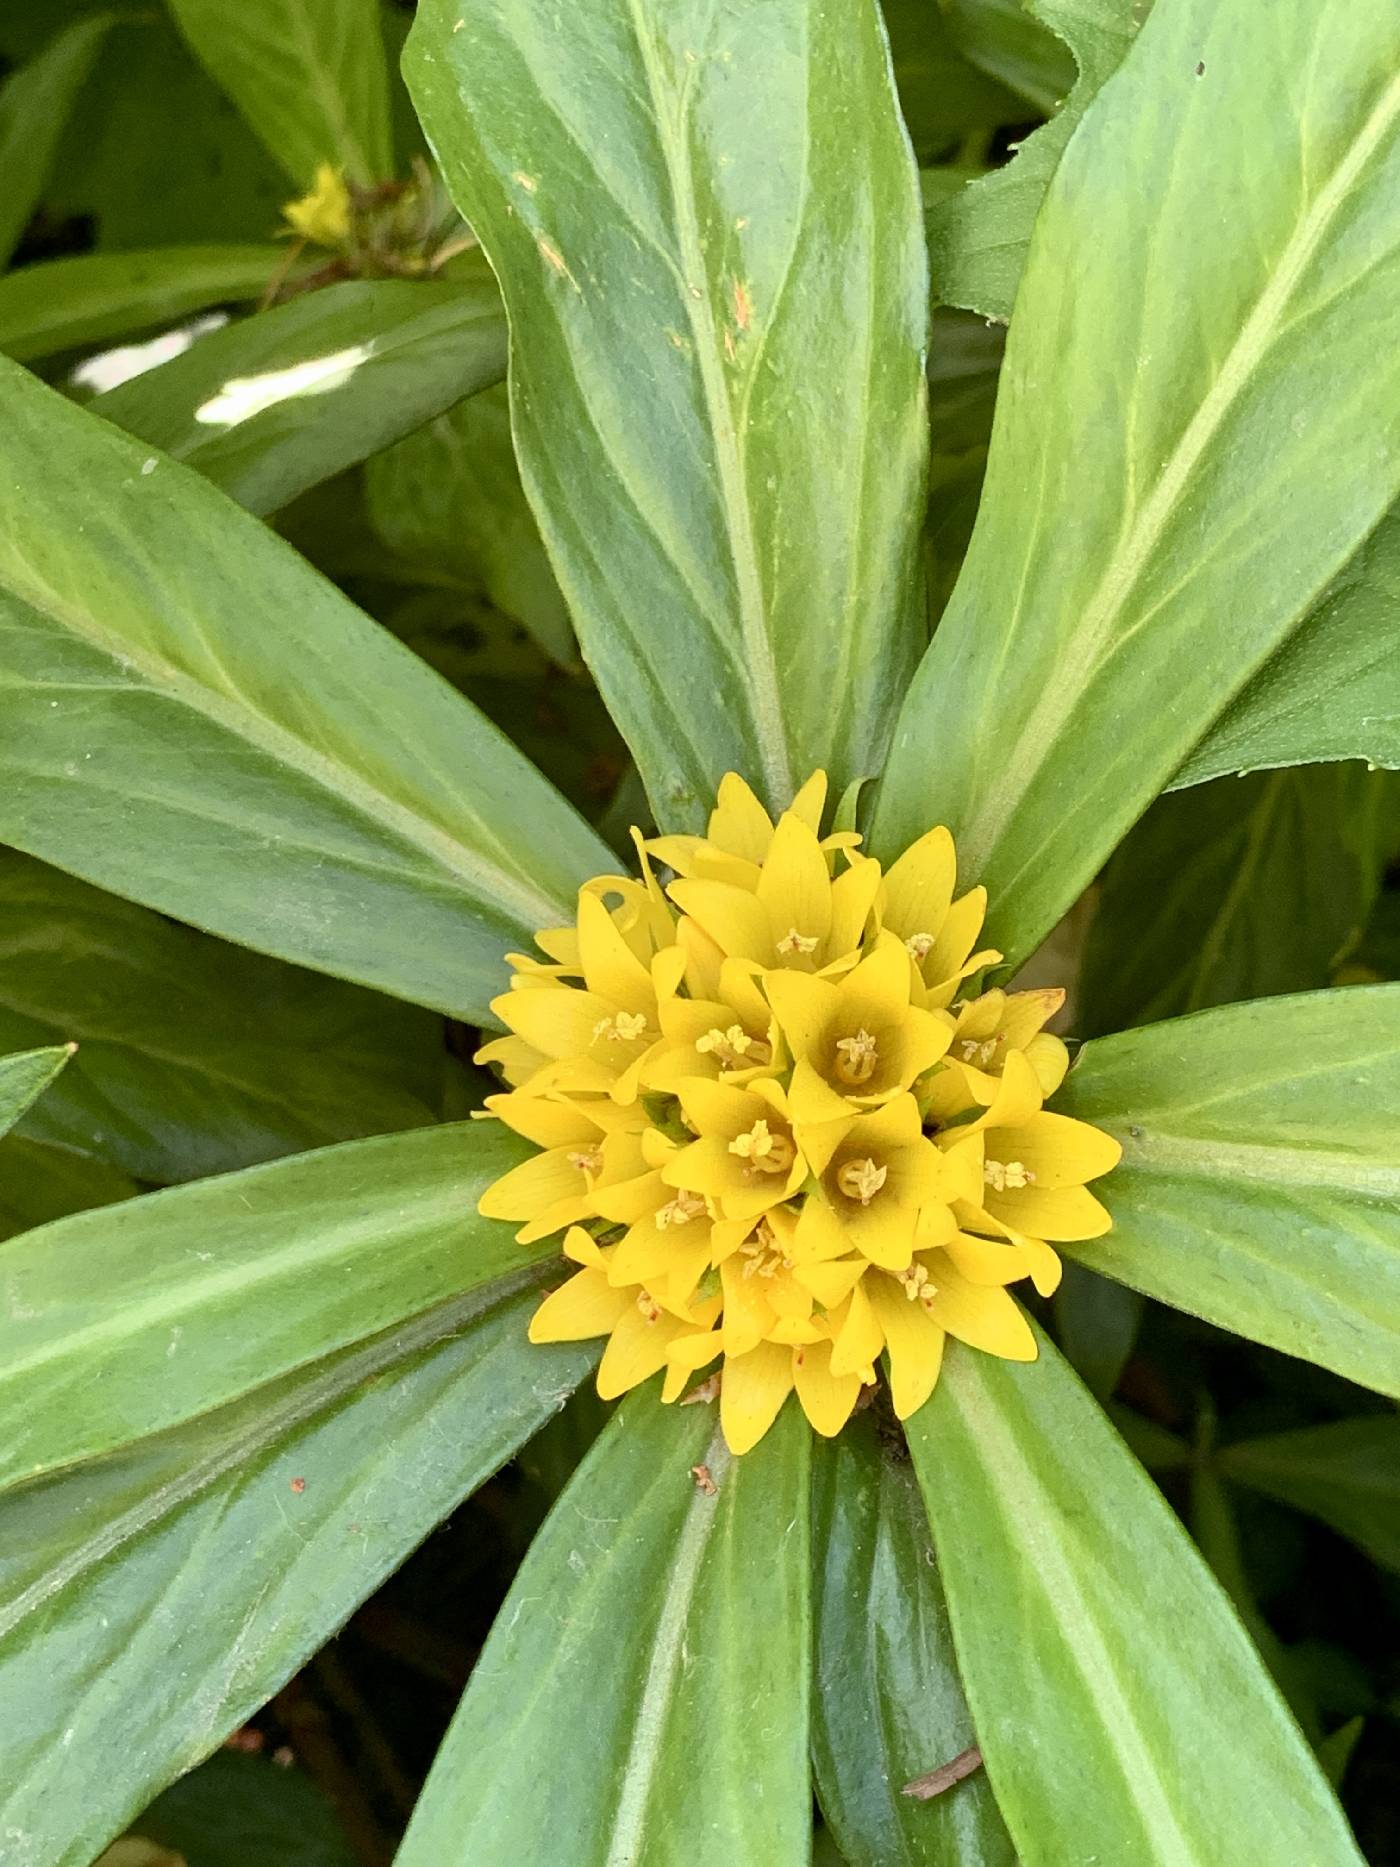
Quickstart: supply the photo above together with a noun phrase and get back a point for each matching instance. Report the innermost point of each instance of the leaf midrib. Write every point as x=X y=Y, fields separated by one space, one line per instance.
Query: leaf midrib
x=1078 y=659
x=1276 y=1163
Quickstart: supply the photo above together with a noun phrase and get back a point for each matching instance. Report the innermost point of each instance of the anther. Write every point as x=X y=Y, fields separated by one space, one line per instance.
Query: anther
x=680 y=1210
x=795 y=942
x=861 y=1179
x=917 y=947
x=765 y=1152
x=1006 y=1175
x=586 y=1161
x=856 y=1058
x=734 y=1047
x=625 y=1028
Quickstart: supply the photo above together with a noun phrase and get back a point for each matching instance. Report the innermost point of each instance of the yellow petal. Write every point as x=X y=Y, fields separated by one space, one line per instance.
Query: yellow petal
x=810 y=802
x=795 y=891
x=585 y=1306
x=610 y=968
x=832 y=1281
x=738 y=823
x=860 y=1337
x=747 y=1315
x=982 y=1260
x=814 y=1102
x=981 y=1316
x=852 y=901
x=804 y=1008
x=1058 y=1150
x=548 y=1122
x=827 y=1399
x=636 y=1349
x=919 y=886
x=1049 y=1059
x=685 y=1357
x=533 y=1187
x=735 y=920
x=1057 y=1213
x=914 y=1341
x=752 y=1393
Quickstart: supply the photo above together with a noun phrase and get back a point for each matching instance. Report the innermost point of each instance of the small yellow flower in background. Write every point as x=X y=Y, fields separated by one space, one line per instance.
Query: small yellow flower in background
x=774 y=1131
x=322 y=215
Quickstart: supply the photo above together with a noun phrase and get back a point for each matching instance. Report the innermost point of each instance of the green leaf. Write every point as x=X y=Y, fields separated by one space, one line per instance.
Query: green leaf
x=40 y=1182
x=448 y=501
x=744 y=223
x=312 y=791
x=308 y=75
x=279 y=402
x=942 y=97
x=133 y=1318
x=978 y=237
x=196 y=1058
x=64 y=304
x=651 y=1660
x=1009 y=42
x=150 y=1602
x=1153 y=523
x=1346 y=1472
x=25 y=1076
x=1260 y=1183
x=1097 y=1323
x=237 y=1810
x=1051 y=1539
x=1238 y=889
x=1333 y=689
x=34 y=105
x=888 y=1703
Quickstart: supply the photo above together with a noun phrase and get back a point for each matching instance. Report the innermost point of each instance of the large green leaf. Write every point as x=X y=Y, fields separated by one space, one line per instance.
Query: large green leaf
x=887 y=1704
x=195 y=1057
x=1346 y=1472
x=643 y=1693
x=40 y=1182
x=1008 y=41
x=1260 y=1183
x=277 y=403
x=133 y=1318
x=1235 y=890
x=943 y=98
x=978 y=235
x=151 y=1601
x=192 y=717
x=1154 y=523
x=236 y=1810
x=309 y=76
x=62 y=304
x=34 y=106
x=1333 y=689
x=25 y=1075
x=1122 y=1712
x=449 y=503
x=707 y=233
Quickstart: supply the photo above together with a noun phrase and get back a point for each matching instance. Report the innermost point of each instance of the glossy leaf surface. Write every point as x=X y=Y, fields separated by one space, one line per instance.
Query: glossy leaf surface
x=717 y=336
x=313 y=791
x=279 y=402
x=23 y=1076
x=1050 y=1538
x=887 y=1702
x=151 y=1601
x=694 y=1610
x=133 y=1318
x=1153 y=524
x=1260 y=1182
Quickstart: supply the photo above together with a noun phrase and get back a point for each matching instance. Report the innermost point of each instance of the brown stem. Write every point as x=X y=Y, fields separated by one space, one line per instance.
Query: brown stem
x=925 y=1788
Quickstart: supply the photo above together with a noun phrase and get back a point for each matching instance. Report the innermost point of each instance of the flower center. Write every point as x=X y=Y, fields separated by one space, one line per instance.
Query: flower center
x=917 y=947
x=680 y=1210
x=762 y=1254
x=586 y=1160
x=919 y=1287
x=765 y=1152
x=861 y=1179
x=625 y=1028
x=795 y=942
x=734 y=1047
x=1003 y=1174
x=856 y=1058
x=648 y=1305
x=981 y=1054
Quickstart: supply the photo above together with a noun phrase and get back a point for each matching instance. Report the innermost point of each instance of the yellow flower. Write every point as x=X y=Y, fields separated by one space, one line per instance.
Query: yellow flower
x=771 y=1135
x=322 y=215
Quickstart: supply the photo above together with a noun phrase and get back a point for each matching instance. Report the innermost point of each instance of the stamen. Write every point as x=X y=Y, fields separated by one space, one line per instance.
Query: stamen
x=861 y=1179
x=648 y=1305
x=763 y=1255
x=680 y=1210
x=625 y=1028
x=918 y=1286
x=765 y=1152
x=917 y=947
x=734 y=1047
x=856 y=1058
x=981 y=1054
x=1009 y=1174
x=586 y=1160
x=795 y=942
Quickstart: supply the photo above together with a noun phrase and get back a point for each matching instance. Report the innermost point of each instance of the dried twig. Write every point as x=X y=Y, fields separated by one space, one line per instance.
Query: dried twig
x=925 y=1788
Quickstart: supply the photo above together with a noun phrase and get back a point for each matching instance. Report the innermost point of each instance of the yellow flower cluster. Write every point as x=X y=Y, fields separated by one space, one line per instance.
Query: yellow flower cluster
x=772 y=1133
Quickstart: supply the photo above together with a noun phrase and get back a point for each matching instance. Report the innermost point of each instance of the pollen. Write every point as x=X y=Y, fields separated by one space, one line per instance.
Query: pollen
x=980 y=1054
x=734 y=1047
x=856 y=1058
x=623 y=1028
x=680 y=1210
x=649 y=1307
x=795 y=942
x=764 y=1151
x=861 y=1179
x=1002 y=1175
x=762 y=1254
x=918 y=946
x=919 y=1287
x=586 y=1161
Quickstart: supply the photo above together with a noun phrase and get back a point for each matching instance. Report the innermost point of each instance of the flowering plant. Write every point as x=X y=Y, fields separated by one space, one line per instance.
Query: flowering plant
x=648 y=404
